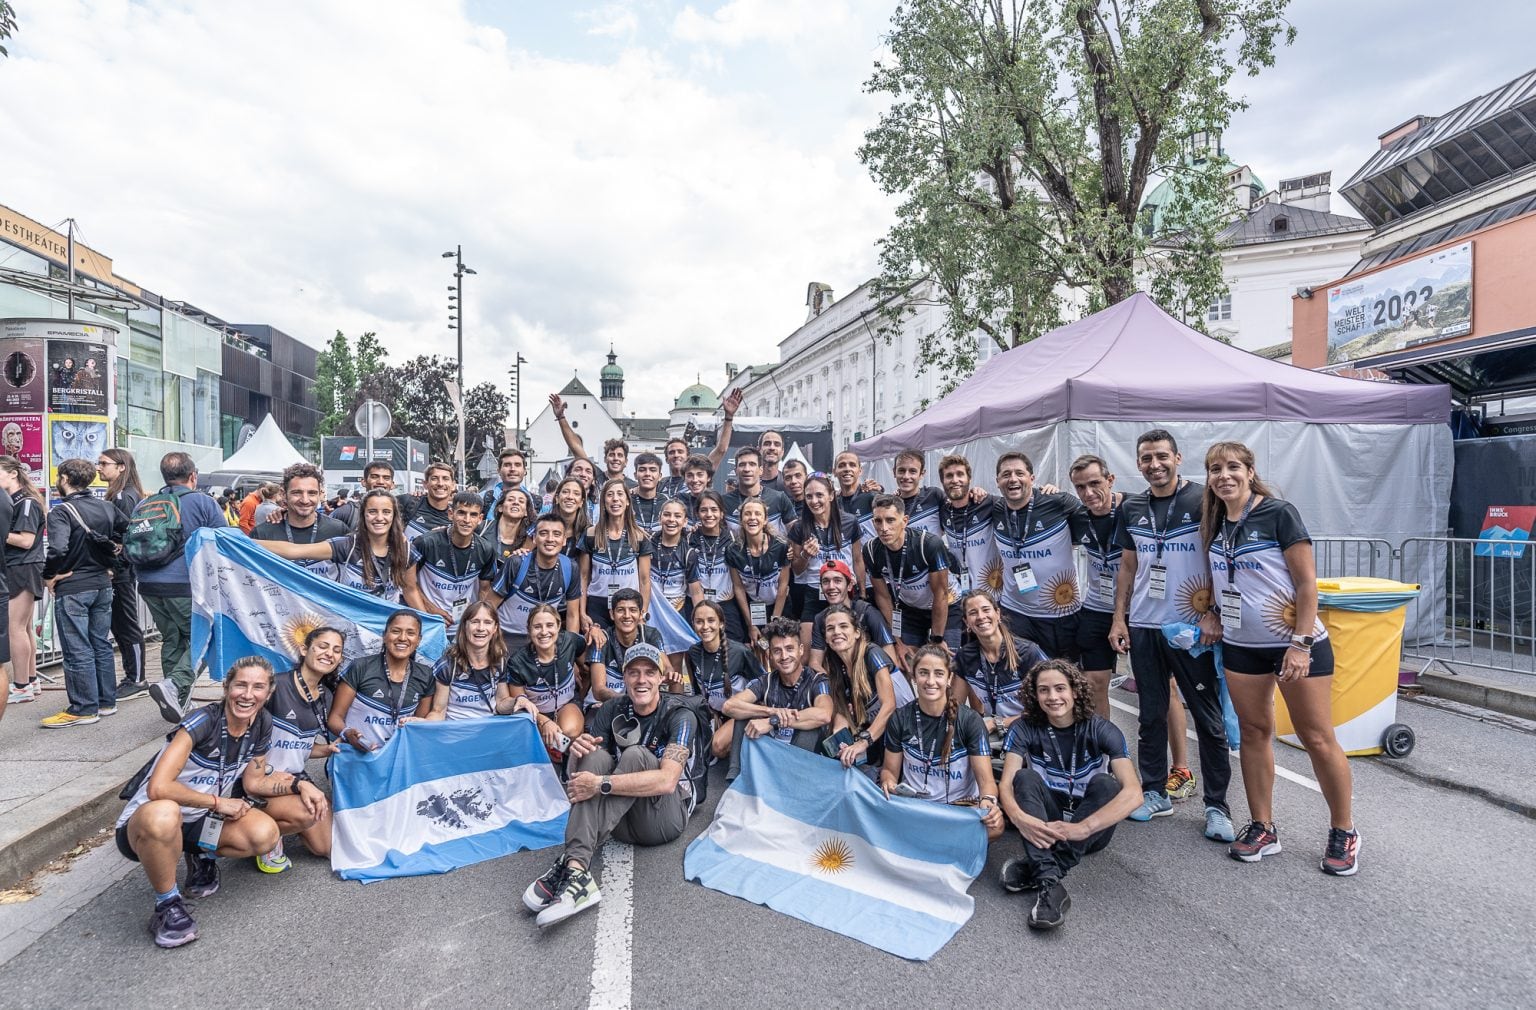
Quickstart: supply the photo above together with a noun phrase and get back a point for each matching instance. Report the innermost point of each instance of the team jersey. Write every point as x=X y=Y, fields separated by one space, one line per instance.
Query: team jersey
x=866 y=617
x=323 y=528
x=859 y=505
x=919 y=737
x=759 y=572
x=216 y=761
x=26 y=517
x=714 y=573
x=906 y=571
x=471 y=693
x=548 y=685
x=448 y=575
x=615 y=565
x=347 y=553
x=718 y=675
x=1249 y=556
x=923 y=509
x=1067 y=759
x=648 y=512
x=771 y=692
x=774 y=483
x=424 y=517
x=670 y=488
x=1165 y=532
x=875 y=660
x=669 y=723
x=967 y=532
x=673 y=570
x=780 y=509
x=504 y=550
x=611 y=658
x=1034 y=550
x=1102 y=550
x=996 y=684
x=296 y=720
x=375 y=712
x=522 y=585
x=831 y=548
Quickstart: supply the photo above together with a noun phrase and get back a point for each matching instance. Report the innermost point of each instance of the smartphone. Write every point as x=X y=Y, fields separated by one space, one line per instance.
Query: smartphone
x=833 y=744
x=902 y=789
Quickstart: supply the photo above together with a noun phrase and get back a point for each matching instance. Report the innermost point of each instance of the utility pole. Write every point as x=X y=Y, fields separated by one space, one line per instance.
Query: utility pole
x=456 y=321
x=517 y=398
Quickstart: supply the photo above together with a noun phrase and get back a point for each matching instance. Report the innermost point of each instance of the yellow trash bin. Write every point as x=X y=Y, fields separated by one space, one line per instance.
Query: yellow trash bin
x=1364 y=618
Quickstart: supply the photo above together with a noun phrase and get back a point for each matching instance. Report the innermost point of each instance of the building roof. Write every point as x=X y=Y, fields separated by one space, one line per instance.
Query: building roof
x=1264 y=224
x=1518 y=207
x=1274 y=352
x=643 y=429
x=612 y=369
x=697 y=397
x=575 y=388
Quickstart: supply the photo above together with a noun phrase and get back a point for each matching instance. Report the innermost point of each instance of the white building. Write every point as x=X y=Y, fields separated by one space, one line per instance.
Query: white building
x=599 y=418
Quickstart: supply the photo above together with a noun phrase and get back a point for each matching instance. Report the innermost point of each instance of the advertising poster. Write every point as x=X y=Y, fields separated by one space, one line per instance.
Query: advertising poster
x=1506 y=531
x=21 y=375
x=75 y=436
x=77 y=376
x=1419 y=301
x=21 y=435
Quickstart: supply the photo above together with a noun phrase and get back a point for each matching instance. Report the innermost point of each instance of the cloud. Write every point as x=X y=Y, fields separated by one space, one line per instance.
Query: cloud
x=615 y=20
x=744 y=21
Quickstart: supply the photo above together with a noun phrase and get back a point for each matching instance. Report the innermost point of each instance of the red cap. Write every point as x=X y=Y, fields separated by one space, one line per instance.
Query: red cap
x=840 y=567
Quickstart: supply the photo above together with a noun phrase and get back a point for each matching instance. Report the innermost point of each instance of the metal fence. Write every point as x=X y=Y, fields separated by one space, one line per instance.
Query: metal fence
x=1482 y=606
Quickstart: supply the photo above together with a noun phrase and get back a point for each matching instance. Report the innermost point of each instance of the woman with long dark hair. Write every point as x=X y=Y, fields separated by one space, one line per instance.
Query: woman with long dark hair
x=570 y=507
x=376 y=559
x=512 y=523
x=710 y=539
x=720 y=668
x=24 y=576
x=468 y=673
x=993 y=662
x=616 y=554
x=378 y=691
x=822 y=534
x=299 y=705
x=547 y=675
x=759 y=563
x=864 y=688
x=124 y=489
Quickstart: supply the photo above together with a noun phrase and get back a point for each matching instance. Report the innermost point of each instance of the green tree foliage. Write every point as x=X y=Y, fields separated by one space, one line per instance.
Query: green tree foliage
x=335 y=385
x=485 y=416
x=7 y=24
x=420 y=402
x=1020 y=138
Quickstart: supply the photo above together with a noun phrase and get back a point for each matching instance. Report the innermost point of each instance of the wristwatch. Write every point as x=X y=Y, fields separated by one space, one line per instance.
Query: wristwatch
x=606 y=785
x=1302 y=641
x=773 y=722
x=935 y=639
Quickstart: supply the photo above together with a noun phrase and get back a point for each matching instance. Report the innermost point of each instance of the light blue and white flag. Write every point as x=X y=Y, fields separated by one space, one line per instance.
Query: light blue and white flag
x=440 y=795
x=807 y=837
x=676 y=636
x=247 y=601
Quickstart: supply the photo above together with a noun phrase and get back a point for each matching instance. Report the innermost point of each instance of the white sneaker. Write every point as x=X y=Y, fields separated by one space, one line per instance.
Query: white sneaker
x=19 y=695
x=579 y=894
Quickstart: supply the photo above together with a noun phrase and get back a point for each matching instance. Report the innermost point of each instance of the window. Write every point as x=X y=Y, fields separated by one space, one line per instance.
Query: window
x=1220 y=309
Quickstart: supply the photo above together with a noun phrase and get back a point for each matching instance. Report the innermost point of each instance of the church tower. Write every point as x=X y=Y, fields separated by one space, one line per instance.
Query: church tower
x=612 y=377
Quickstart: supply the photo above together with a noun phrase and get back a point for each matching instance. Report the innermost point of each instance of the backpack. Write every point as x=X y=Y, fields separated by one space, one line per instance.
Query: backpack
x=154 y=537
x=696 y=705
x=100 y=547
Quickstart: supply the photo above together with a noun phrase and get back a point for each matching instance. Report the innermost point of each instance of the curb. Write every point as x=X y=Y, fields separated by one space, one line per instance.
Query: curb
x=40 y=829
x=1488 y=694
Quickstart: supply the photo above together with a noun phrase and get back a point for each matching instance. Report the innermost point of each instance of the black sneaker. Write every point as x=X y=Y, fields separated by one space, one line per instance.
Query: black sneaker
x=1017 y=875
x=579 y=894
x=202 y=877
x=163 y=693
x=131 y=689
x=543 y=892
x=1051 y=906
x=172 y=924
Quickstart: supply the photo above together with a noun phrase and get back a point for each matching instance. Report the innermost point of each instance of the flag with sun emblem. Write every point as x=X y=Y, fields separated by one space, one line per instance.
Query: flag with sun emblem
x=809 y=838
x=247 y=601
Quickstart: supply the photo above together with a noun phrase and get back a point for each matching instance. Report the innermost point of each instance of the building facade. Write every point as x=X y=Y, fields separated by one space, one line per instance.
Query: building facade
x=266 y=371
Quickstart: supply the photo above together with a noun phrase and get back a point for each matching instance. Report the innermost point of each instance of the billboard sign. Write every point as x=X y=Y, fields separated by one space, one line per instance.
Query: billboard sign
x=1417 y=301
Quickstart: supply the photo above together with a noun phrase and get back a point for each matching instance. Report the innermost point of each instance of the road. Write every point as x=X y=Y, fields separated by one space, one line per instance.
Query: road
x=1442 y=913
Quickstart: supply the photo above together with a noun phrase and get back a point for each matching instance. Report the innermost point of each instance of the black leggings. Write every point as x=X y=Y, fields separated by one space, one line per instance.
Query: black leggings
x=126 y=630
x=1031 y=793
x=1153 y=661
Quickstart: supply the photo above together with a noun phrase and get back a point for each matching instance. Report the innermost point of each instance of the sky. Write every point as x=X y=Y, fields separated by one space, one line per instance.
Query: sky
x=663 y=177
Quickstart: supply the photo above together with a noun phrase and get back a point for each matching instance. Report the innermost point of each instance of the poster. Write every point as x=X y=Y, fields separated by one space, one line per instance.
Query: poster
x=1418 y=301
x=77 y=377
x=1506 y=531
x=21 y=375
x=21 y=435
x=75 y=436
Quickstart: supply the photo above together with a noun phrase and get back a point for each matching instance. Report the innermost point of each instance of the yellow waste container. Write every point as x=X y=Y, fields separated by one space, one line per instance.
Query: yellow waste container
x=1364 y=618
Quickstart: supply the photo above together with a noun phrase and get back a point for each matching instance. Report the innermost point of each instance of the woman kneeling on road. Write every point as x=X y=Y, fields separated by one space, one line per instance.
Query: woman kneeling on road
x=1067 y=781
x=200 y=795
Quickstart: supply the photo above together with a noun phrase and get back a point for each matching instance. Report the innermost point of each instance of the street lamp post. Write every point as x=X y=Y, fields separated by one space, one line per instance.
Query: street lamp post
x=456 y=305
x=517 y=398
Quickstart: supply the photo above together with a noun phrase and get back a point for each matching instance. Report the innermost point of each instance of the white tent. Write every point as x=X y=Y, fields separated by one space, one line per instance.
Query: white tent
x=267 y=451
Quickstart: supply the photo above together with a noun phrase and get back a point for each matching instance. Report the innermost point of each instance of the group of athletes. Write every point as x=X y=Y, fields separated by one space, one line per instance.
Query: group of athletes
x=913 y=634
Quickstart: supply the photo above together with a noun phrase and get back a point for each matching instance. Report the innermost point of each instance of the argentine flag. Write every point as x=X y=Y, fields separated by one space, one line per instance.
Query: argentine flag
x=805 y=836
x=440 y=795
x=247 y=601
x=676 y=636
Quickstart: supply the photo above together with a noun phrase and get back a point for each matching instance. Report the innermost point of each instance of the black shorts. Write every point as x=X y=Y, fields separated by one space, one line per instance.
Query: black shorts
x=812 y=603
x=1258 y=662
x=915 y=625
x=190 y=830
x=1057 y=636
x=1093 y=639
x=25 y=578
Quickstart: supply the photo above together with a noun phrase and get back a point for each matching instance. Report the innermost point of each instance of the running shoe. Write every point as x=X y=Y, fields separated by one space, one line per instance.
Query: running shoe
x=1153 y=804
x=163 y=693
x=1343 y=856
x=543 y=892
x=1181 y=783
x=19 y=696
x=172 y=924
x=127 y=689
x=1017 y=875
x=275 y=861
x=64 y=720
x=106 y=710
x=1118 y=680
x=1256 y=841
x=1051 y=906
x=579 y=894
x=1218 y=825
x=202 y=877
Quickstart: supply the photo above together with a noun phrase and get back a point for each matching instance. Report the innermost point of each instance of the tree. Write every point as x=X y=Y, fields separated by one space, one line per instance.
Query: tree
x=485 y=414
x=420 y=402
x=1020 y=139
x=7 y=24
x=335 y=385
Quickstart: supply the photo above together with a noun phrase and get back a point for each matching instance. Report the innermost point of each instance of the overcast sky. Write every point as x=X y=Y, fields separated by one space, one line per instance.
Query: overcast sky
x=661 y=175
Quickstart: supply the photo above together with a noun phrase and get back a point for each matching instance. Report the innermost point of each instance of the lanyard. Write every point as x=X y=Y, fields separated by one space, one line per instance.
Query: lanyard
x=313 y=528
x=755 y=562
x=1173 y=503
x=1114 y=527
x=1029 y=510
x=612 y=553
x=930 y=758
x=225 y=742
x=1230 y=535
x=313 y=703
x=989 y=671
x=468 y=555
x=400 y=694
x=1050 y=732
x=488 y=697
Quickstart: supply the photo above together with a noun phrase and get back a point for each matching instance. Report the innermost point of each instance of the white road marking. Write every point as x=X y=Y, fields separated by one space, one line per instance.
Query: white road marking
x=1280 y=770
x=612 y=960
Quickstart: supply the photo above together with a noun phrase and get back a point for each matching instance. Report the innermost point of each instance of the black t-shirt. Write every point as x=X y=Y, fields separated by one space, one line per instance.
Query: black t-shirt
x=734 y=665
x=1100 y=543
x=714 y=573
x=996 y=685
x=548 y=685
x=759 y=572
x=1067 y=758
x=423 y=517
x=523 y=585
x=381 y=702
x=667 y=724
x=448 y=575
x=647 y=511
x=26 y=517
x=771 y=692
x=323 y=528
x=923 y=509
x=296 y=721
x=920 y=738
x=906 y=571
x=780 y=509
x=611 y=656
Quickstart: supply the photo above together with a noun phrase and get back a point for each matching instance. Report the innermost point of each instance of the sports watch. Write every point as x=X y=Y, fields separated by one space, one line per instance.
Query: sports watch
x=606 y=785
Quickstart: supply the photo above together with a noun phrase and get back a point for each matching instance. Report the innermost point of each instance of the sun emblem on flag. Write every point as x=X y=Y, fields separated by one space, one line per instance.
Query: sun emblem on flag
x=1279 y=615
x=1060 y=592
x=1193 y=599
x=297 y=628
x=833 y=855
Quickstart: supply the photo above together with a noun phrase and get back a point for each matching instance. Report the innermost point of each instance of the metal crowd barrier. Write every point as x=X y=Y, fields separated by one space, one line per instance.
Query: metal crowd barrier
x=48 y=652
x=1474 y=610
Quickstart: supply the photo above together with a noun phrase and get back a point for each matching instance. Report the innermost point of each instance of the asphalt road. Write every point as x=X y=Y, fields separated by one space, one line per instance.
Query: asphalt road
x=1442 y=913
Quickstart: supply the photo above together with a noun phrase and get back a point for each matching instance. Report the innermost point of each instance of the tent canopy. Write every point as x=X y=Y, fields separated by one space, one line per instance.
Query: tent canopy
x=1135 y=362
x=267 y=451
